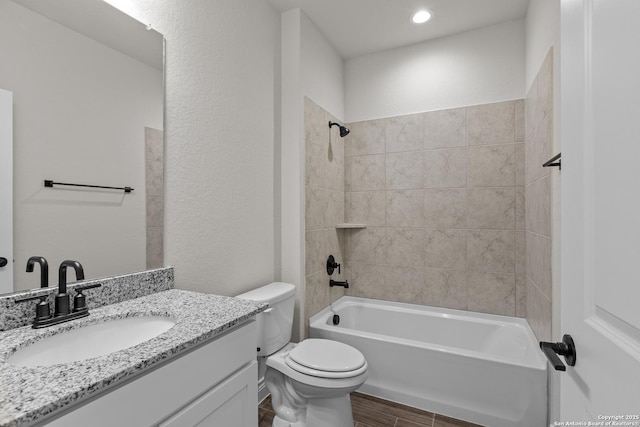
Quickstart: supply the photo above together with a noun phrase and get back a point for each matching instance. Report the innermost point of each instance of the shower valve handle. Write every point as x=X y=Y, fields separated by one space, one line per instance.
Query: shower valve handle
x=332 y=265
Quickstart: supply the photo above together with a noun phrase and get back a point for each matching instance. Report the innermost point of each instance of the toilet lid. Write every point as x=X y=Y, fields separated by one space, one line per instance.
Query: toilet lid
x=326 y=356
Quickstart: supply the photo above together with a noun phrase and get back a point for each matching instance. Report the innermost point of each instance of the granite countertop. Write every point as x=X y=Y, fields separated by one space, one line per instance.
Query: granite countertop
x=27 y=394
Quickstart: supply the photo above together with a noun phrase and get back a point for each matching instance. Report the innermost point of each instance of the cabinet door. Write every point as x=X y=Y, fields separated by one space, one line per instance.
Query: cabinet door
x=232 y=403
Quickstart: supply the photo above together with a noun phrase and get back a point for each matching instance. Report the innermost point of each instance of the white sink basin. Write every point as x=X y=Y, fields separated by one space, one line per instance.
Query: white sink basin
x=91 y=341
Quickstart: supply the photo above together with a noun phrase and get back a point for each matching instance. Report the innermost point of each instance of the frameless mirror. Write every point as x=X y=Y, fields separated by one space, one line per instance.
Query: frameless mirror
x=87 y=83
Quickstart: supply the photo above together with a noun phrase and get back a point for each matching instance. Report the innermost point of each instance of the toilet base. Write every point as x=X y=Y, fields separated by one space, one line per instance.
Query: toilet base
x=334 y=412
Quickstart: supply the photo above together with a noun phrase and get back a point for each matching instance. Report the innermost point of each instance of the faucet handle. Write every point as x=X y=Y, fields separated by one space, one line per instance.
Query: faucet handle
x=332 y=265
x=43 y=311
x=80 y=301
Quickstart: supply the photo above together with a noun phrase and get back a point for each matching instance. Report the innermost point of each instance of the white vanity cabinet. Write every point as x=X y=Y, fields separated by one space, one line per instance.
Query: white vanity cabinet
x=212 y=385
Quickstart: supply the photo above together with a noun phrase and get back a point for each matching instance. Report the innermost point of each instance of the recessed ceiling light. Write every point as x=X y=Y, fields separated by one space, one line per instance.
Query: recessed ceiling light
x=421 y=16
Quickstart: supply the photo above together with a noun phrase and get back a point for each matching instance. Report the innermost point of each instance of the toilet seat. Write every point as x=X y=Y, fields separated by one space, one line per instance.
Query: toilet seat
x=326 y=359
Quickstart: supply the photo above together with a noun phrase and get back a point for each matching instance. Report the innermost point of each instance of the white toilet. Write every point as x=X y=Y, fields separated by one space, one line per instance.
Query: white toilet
x=309 y=382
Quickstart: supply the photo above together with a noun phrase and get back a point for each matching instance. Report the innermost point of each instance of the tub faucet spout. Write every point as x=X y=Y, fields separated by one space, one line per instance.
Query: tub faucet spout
x=333 y=283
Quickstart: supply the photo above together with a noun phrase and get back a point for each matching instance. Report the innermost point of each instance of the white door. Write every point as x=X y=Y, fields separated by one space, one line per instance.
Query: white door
x=6 y=191
x=600 y=62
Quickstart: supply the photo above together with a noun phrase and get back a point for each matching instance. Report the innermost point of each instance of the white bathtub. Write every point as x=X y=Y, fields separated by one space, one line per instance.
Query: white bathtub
x=481 y=368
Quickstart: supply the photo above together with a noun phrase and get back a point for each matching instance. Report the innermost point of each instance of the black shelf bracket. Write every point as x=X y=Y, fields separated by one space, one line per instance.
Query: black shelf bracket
x=552 y=162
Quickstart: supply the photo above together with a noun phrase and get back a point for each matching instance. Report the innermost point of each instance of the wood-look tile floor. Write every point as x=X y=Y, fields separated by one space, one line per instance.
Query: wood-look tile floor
x=369 y=411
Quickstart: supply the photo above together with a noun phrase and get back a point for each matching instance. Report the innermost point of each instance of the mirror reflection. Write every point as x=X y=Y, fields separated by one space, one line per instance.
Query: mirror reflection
x=87 y=105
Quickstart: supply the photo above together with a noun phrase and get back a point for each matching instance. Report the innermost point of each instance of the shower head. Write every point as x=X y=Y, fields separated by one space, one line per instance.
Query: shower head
x=343 y=130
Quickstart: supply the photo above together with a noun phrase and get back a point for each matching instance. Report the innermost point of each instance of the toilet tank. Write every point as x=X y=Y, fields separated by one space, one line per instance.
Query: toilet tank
x=275 y=323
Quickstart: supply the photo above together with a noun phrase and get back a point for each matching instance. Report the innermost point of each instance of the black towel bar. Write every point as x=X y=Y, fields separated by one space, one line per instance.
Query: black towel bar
x=50 y=183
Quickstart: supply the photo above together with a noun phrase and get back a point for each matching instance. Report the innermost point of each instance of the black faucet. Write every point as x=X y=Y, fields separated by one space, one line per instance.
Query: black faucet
x=62 y=312
x=333 y=283
x=44 y=269
x=62 y=299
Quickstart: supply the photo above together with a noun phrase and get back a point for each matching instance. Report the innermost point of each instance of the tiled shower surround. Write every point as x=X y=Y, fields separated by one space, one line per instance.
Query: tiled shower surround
x=443 y=198
x=324 y=208
x=442 y=194
x=539 y=146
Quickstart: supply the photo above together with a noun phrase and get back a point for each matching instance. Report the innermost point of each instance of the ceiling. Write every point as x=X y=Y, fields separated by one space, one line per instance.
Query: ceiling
x=358 y=27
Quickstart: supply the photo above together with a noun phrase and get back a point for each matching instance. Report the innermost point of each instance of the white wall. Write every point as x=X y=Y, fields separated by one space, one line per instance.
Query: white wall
x=542 y=32
x=310 y=67
x=474 y=67
x=80 y=109
x=292 y=165
x=221 y=81
x=322 y=69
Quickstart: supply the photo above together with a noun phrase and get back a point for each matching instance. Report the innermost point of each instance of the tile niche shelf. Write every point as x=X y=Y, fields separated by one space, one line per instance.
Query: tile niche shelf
x=350 y=225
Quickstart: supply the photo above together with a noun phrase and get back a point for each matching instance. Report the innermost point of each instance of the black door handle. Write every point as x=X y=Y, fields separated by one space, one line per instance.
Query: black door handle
x=565 y=348
x=3 y=261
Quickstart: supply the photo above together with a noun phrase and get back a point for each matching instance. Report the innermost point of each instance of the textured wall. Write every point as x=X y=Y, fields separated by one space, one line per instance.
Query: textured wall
x=443 y=199
x=539 y=146
x=324 y=208
x=222 y=73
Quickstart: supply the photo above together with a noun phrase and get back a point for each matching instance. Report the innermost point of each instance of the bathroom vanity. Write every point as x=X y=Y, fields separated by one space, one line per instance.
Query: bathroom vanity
x=202 y=369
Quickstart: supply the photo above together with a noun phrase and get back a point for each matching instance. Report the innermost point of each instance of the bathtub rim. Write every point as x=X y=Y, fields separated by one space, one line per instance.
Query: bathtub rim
x=321 y=320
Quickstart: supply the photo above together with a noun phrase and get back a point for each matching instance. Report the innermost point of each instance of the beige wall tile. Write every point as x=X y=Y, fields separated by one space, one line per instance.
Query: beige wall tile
x=404 y=208
x=366 y=207
x=315 y=203
x=491 y=293
x=405 y=246
x=491 y=207
x=445 y=248
x=530 y=108
x=520 y=208
x=538 y=150
x=334 y=213
x=519 y=120
x=521 y=248
x=404 y=171
x=521 y=295
x=155 y=210
x=445 y=208
x=365 y=173
x=445 y=168
x=314 y=166
x=404 y=284
x=539 y=311
x=491 y=251
x=538 y=206
x=538 y=261
x=366 y=137
x=366 y=280
x=492 y=123
x=333 y=244
x=155 y=248
x=492 y=166
x=314 y=243
x=316 y=130
x=445 y=288
x=154 y=177
x=316 y=292
x=544 y=103
x=405 y=133
x=367 y=245
x=445 y=128
x=520 y=163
